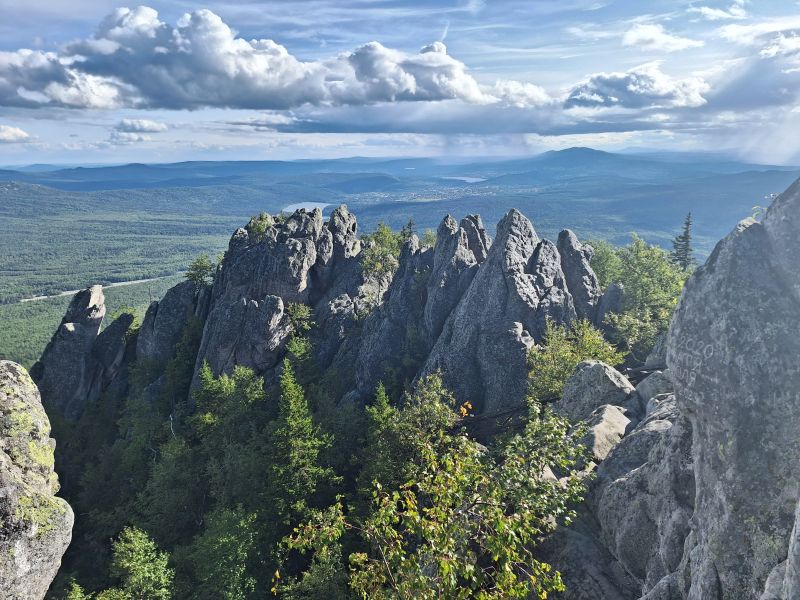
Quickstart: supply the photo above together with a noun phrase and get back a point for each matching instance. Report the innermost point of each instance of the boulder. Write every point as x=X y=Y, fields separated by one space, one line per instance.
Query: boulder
x=627 y=541
x=732 y=348
x=653 y=385
x=581 y=280
x=657 y=359
x=643 y=498
x=482 y=351
x=592 y=384
x=606 y=427
x=612 y=301
x=35 y=525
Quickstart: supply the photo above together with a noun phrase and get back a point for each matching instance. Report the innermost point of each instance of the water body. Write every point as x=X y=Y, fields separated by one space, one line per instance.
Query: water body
x=467 y=179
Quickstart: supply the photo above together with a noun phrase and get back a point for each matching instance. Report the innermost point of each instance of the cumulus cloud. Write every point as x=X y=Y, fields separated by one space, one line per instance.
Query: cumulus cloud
x=134 y=59
x=655 y=37
x=140 y=126
x=645 y=86
x=9 y=135
x=127 y=137
x=520 y=95
x=735 y=11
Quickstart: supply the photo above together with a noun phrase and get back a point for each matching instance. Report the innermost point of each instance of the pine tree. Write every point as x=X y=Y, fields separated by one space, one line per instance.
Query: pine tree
x=682 y=252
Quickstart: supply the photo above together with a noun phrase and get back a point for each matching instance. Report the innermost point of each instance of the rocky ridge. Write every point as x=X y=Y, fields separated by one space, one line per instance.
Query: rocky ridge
x=697 y=485
x=469 y=308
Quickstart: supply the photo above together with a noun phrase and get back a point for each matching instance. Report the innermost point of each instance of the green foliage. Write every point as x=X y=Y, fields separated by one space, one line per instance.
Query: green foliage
x=381 y=251
x=258 y=226
x=606 y=263
x=201 y=271
x=562 y=349
x=222 y=556
x=300 y=316
x=295 y=471
x=407 y=230
x=652 y=284
x=141 y=568
x=682 y=251
x=76 y=592
x=428 y=239
x=464 y=521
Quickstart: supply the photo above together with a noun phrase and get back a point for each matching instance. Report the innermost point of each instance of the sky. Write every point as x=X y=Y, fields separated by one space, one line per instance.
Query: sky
x=93 y=81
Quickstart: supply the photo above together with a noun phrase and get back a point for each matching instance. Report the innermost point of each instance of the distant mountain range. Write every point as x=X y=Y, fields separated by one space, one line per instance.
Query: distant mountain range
x=375 y=174
x=136 y=221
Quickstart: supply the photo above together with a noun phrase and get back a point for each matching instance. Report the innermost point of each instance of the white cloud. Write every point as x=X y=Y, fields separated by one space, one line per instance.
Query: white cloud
x=735 y=11
x=140 y=126
x=782 y=45
x=137 y=60
x=9 y=135
x=520 y=95
x=127 y=137
x=754 y=33
x=655 y=37
x=645 y=86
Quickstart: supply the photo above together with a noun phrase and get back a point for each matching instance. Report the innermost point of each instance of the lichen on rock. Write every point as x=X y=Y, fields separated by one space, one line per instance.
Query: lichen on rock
x=35 y=525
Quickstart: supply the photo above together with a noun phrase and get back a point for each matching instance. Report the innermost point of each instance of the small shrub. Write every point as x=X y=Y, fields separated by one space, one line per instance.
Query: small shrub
x=258 y=226
x=562 y=349
x=201 y=271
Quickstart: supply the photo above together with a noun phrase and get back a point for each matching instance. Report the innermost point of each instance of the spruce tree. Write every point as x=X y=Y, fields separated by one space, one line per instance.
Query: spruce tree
x=295 y=470
x=682 y=252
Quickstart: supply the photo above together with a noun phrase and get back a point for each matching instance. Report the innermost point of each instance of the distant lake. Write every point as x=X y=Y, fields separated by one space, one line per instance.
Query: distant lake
x=309 y=206
x=467 y=179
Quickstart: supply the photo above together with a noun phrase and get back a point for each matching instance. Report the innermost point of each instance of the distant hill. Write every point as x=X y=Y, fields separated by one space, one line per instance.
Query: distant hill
x=65 y=228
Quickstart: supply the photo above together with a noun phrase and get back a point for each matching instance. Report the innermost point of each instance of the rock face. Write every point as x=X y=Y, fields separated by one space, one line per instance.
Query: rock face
x=35 y=526
x=700 y=501
x=393 y=340
x=66 y=372
x=460 y=249
x=581 y=280
x=483 y=348
x=612 y=301
x=164 y=323
x=466 y=307
x=299 y=260
x=79 y=362
x=733 y=348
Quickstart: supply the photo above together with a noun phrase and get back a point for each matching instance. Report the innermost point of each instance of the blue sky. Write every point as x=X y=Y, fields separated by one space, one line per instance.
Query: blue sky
x=88 y=81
